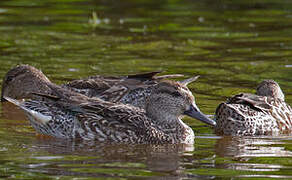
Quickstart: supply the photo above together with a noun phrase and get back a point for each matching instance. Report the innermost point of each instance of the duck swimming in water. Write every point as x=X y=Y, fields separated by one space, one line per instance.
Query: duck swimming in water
x=263 y=113
x=67 y=114
x=21 y=80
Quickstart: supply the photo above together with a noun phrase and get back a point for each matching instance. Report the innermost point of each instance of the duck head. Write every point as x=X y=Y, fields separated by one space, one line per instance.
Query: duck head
x=21 y=80
x=169 y=100
x=270 y=88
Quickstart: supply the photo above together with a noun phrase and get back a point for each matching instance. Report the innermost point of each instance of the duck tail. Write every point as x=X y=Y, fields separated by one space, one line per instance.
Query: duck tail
x=38 y=116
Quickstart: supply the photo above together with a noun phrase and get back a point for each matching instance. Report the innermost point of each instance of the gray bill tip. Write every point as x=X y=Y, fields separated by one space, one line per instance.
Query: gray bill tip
x=194 y=112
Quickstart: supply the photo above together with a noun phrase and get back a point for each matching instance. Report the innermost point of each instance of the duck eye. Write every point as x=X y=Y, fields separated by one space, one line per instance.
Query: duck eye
x=9 y=78
x=176 y=94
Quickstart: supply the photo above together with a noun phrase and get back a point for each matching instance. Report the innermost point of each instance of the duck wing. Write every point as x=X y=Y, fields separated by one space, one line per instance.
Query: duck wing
x=97 y=118
x=261 y=103
x=91 y=120
x=119 y=88
x=102 y=83
x=153 y=76
x=118 y=123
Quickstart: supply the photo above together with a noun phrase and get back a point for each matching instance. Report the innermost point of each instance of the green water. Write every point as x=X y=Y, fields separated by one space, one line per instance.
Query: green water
x=233 y=45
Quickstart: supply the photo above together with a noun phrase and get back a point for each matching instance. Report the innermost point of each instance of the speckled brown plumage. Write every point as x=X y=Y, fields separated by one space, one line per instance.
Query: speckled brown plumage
x=263 y=114
x=21 y=80
x=69 y=114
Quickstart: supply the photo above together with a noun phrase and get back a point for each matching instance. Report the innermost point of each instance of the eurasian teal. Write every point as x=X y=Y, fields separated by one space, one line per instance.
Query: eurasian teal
x=68 y=114
x=265 y=113
x=21 y=80
x=130 y=89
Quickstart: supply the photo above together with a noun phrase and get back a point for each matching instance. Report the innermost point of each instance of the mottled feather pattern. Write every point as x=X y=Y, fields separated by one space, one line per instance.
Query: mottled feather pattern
x=102 y=122
x=82 y=108
x=61 y=124
x=89 y=87
x=282 y=112
x=130 y=89
x=248 y=114
x=118 y=123
x=137 y=97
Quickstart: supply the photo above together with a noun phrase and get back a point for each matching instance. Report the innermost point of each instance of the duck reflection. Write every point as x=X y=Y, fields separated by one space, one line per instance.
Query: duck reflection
x=247 y=147
x=155 y=161
x=244 y=149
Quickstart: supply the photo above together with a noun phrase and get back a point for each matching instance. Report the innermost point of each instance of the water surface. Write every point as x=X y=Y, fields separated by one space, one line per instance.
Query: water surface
x=233 y=45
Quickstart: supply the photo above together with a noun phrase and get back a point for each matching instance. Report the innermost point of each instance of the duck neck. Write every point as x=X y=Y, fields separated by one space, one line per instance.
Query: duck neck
x=171 y=125
x=165 y=120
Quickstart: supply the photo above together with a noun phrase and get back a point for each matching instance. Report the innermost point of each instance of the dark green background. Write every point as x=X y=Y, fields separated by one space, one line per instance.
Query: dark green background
x=233 y=45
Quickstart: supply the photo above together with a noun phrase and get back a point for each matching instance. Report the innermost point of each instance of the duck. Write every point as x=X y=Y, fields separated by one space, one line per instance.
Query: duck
x=70 y=115
x=262 y=113
x=131 y=89
x=20 y=81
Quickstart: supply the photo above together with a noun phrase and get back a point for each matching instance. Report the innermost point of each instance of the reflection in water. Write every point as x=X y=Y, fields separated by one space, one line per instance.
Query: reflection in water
x=245 y=149
x=104 y=159
x=10 y=111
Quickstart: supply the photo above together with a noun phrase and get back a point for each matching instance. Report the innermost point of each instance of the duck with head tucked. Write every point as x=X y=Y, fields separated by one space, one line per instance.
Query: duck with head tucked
x=68 y=114
x=263 y=113
x=21 y=80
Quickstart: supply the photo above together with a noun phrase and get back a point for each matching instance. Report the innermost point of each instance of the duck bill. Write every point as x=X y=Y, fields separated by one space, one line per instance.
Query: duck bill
x=195 y=112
